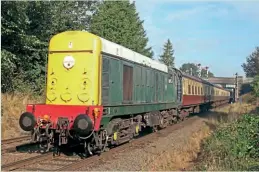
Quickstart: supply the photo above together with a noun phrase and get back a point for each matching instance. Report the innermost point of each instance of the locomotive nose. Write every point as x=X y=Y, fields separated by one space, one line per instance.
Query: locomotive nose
x=83 y=125
x=27 y=121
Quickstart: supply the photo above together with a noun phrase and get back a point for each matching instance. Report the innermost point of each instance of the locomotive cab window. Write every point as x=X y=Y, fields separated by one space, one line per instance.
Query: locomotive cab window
x=127 y=83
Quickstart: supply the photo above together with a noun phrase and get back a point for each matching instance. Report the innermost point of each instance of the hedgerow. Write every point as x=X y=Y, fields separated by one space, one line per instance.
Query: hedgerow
x=234 y=146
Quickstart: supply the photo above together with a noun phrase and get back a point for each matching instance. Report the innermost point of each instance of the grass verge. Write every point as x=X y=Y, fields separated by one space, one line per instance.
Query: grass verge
x=12 y=106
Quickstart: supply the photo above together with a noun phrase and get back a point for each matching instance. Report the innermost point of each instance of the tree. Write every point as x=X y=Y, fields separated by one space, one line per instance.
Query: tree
x=192 y=69
x=18 y=47
x=255 y=88
x=204 y=74
x=26 y=30
x=118 y=21
x=83 y=11
x=251 y=67
x=189 y=68
x=168 y=55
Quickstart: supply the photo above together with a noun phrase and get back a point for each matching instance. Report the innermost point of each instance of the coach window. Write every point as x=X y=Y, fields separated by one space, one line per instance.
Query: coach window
x=201 y=91
x=189 y=89
x=192 y=90
x=127 y=83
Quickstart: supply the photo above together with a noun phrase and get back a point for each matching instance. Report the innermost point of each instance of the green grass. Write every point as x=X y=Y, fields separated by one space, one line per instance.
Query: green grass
x=232 y=146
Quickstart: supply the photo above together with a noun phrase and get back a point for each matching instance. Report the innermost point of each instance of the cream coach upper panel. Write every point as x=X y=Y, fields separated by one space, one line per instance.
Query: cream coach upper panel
x=118 y=50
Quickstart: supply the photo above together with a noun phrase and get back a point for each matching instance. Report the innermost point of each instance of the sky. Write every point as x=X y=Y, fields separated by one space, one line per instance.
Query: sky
x=217 y=34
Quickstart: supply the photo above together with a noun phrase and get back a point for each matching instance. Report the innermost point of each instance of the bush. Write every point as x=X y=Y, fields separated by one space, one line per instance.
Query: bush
x=232 y=147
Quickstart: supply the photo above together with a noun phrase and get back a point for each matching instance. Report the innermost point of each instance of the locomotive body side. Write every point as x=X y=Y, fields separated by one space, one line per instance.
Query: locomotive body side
x=133 y=84
x=136 y=90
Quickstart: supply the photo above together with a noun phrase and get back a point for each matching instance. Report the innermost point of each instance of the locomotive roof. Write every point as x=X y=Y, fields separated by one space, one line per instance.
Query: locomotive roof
x=121 y=51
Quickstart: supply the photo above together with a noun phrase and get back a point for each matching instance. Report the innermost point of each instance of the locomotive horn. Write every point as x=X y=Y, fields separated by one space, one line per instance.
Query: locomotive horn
x=27 y=121
x=83 y=125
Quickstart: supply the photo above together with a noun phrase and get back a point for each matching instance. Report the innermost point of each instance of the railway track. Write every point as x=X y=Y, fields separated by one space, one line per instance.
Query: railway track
x=9 y=145
x=17 y=139
x=24 y=162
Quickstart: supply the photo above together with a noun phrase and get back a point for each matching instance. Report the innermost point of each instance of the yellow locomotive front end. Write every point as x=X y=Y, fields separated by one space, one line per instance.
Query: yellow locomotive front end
x=73 y=105
x=73 y=69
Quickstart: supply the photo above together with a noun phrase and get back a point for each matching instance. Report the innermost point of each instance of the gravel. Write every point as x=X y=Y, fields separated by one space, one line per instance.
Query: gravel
x=16 y=156
x=142 y=158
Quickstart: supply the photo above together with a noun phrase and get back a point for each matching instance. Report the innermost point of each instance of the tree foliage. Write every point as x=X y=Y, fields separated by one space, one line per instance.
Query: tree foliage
x=26 y=29
x=168 y=55
x=28 y=26
x=119 y=22
x=192 y=69
x=251 y=67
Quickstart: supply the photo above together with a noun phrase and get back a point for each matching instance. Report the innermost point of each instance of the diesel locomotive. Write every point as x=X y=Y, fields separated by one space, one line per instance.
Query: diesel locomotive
x=101 y=94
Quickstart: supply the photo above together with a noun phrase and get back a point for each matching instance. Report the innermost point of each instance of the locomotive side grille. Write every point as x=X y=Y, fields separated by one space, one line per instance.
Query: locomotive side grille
x=105 y=80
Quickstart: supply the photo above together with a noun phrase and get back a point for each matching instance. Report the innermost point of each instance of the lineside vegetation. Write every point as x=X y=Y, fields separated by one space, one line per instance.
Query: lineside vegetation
x=234 y=145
